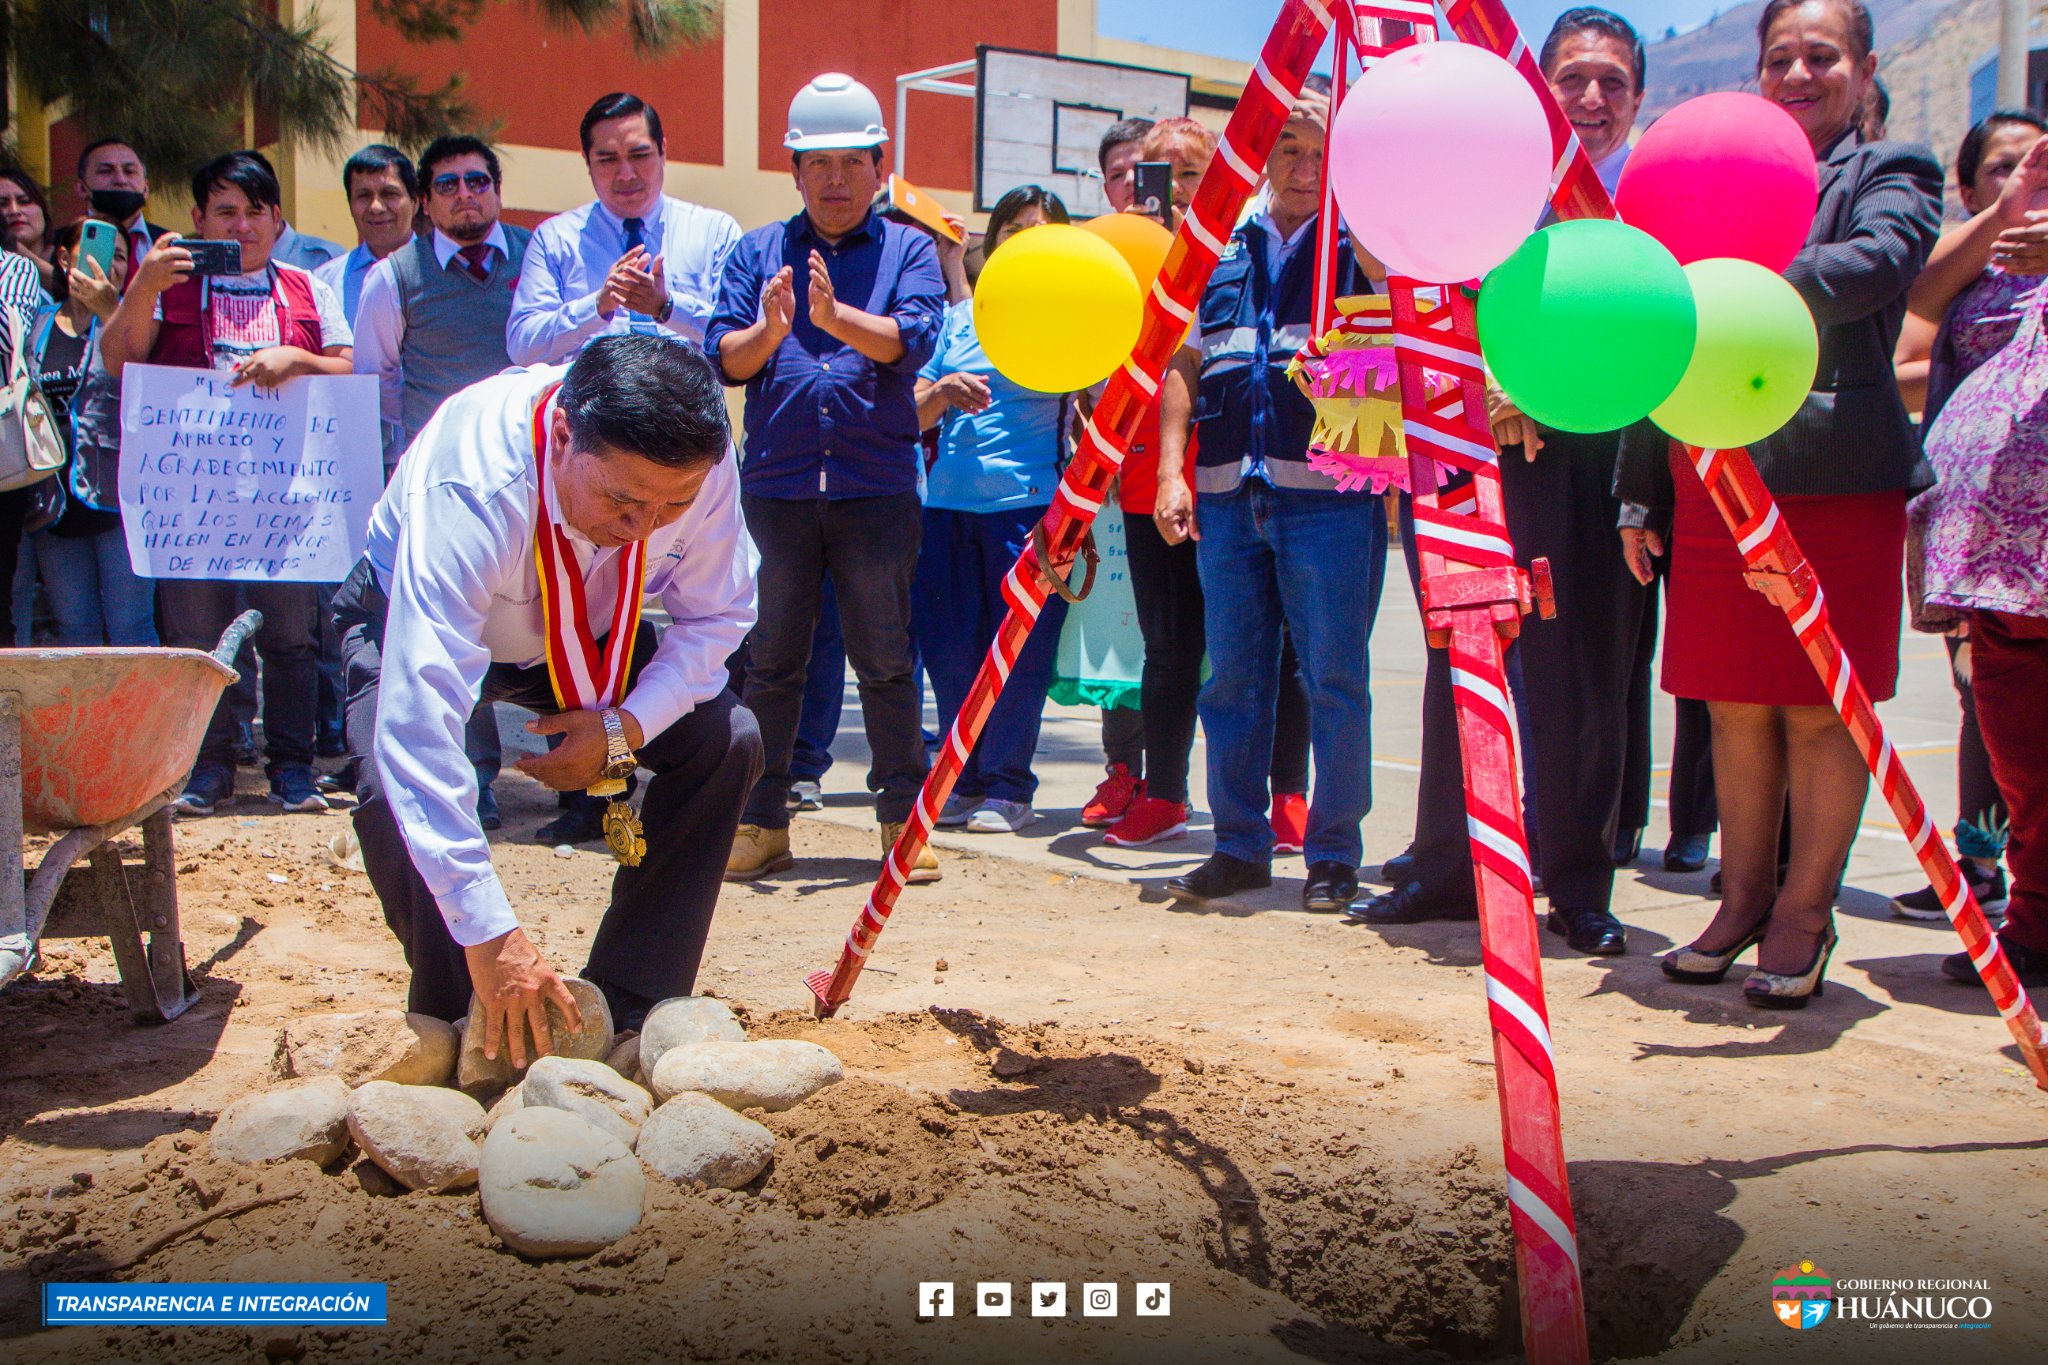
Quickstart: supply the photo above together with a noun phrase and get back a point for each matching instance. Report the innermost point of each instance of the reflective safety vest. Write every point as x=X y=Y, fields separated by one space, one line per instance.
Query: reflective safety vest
x=1249 y=416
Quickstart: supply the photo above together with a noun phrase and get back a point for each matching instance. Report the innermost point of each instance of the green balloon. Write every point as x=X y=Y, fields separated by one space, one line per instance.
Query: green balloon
x=1753 y=364
x=1588 y=325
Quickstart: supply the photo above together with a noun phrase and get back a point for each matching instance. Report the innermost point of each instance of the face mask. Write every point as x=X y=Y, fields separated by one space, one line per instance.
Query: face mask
x=118 y=205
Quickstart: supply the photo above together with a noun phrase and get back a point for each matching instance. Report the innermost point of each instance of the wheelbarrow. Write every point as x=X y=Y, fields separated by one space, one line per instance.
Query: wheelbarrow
x=93 y=742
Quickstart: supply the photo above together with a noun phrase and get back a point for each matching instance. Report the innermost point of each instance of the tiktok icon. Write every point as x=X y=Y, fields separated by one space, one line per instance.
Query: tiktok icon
x=1155 y=1300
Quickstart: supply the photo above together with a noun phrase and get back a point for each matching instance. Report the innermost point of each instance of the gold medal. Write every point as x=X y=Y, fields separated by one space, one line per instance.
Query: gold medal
x=623 y=833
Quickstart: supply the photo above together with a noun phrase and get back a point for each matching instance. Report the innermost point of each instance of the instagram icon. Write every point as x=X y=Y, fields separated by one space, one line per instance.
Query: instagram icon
x=1098 y=1300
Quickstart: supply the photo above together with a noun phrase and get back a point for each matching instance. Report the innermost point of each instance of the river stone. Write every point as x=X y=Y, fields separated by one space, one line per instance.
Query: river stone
x=683 y=1020
x=772 y=1075
x=423 y=1136
x=506 y=1103
x=694 y=1137
x=624 y=1057
x=369 y=1045
x=480 y=1075
x=553 y=1185
x=305 y=1122
x=590 y=1090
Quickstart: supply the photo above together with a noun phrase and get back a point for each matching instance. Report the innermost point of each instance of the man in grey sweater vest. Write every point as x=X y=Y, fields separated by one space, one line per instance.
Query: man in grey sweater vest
x=433 y=315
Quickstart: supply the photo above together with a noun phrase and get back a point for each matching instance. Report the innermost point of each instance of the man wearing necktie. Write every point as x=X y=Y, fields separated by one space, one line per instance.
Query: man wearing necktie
x=507 y=561
x=636 y=260
x=432 y=321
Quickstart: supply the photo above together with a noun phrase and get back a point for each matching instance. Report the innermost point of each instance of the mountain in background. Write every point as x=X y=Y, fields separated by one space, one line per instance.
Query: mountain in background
x=1925 y=50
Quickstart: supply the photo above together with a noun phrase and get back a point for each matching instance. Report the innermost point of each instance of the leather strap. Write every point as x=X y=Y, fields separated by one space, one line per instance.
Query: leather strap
x=1059 y=585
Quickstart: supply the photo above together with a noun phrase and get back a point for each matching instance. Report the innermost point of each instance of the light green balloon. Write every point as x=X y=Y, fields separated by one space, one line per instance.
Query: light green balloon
x=1588 y=325
x=1753 y=359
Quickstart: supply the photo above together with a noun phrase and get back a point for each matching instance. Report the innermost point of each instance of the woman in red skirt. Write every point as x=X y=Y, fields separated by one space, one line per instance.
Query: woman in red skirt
x=1841 y=471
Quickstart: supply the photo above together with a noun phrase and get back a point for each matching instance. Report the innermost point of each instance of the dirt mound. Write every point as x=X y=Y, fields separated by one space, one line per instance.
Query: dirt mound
x=958 y=1148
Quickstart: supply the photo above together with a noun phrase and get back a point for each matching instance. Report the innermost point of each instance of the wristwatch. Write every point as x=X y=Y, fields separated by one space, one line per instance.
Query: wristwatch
x=668 y=308
x=619 y=759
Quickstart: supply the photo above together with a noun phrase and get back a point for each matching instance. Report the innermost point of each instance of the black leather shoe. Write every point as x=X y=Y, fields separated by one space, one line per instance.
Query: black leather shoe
x=1221 y=876
x=487 y=809
x=1589 y=931
x=1411 y=903
x=1331 y=886
x=2028 y=964
x=583 y=823
x=342 y=779
x=1685 y=853
x=1628 y=846
x=1400 y=867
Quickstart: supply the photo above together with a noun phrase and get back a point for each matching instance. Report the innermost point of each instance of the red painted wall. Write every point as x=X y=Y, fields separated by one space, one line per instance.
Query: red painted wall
x=876 y=40
x=535 y=80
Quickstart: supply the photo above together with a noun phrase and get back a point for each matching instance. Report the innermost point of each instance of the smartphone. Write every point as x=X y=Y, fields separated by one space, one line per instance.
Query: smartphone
x=212 y=257
x=96 y=241
x=1152 y=190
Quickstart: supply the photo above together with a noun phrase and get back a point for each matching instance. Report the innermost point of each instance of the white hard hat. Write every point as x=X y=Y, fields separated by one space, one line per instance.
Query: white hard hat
x=835 y=110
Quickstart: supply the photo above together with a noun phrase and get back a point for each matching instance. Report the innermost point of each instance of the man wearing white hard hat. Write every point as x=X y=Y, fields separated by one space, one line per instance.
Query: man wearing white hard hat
x=826 y=319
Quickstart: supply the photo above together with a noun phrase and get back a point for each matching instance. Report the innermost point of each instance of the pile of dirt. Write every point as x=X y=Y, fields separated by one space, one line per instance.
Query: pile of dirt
x=958 y=1148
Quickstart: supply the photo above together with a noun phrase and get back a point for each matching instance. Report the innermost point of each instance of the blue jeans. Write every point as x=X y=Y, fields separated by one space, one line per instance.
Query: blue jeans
x=956 y=606
x=96 y=597
x=1315 y=561
x=817 y=724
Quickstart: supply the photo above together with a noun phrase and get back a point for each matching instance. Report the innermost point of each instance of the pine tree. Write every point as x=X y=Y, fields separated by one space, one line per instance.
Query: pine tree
x=172 y=77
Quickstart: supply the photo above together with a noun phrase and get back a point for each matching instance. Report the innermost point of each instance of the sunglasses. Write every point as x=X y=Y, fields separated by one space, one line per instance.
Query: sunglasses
x=476 y=182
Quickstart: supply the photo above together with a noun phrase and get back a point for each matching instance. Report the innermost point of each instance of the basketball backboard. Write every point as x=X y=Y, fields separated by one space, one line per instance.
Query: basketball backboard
x=1040 y=118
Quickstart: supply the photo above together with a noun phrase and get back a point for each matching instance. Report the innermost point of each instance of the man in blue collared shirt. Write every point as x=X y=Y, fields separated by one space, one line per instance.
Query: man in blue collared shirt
x=383 y=197
x=633 y=261
x=826 y=319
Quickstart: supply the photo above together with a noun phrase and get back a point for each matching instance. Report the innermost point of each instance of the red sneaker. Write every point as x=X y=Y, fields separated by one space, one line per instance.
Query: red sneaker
x=1151 y=819
x=1113 y=798
x=1290 y=821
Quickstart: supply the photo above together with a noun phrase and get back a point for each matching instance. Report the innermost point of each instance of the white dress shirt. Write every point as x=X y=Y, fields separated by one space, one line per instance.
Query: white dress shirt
x=380 y=335
x=554 y=312
x=452 y=544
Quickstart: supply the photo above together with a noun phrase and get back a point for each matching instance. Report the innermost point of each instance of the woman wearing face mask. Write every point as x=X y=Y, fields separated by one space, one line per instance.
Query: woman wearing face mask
x=1841 y=471
x=25 y=223
x=95 y=595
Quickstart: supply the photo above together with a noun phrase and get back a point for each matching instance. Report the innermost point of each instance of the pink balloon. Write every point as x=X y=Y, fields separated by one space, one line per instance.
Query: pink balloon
x=1725 y=175
x=1440 y=159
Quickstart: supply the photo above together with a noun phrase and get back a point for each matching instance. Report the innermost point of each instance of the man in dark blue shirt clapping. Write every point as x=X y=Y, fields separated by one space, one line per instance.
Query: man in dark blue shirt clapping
x=826 y=319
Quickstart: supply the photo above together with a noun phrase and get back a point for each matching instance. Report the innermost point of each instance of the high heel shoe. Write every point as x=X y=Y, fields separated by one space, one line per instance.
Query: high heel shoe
x=1696 y=968
x=1775 y=991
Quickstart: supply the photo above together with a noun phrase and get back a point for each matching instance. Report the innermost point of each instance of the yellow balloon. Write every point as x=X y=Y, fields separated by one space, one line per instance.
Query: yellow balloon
x=1057 y=308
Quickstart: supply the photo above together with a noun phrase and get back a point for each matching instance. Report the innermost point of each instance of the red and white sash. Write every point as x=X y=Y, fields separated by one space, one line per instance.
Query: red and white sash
x=583 y=681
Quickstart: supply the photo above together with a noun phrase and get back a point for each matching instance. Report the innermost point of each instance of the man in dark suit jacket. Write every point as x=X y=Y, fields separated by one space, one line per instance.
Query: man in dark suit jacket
x=113 y=181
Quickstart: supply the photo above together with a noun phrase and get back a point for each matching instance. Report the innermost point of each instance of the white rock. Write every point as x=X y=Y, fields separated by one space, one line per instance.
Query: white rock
x=772 y=1075
x=684 y=1020
x=624 y=1057
x=592 y=1091
x=423 y=1136
x=369 y=1045
x=480 y=1075
x=305 y=1122
x=694 y=1137
x=507 y=1102
x=552 y=1185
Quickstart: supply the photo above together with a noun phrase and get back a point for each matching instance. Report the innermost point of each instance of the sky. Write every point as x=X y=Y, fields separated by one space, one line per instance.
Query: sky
x=1236 y=28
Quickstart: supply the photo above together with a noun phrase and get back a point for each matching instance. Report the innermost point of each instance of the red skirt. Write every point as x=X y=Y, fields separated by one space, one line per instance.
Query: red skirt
x=1724 y=641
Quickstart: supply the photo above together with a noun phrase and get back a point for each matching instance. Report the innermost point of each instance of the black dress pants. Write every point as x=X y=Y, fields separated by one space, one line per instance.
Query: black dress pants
x=1579 y=668
x=652 y=937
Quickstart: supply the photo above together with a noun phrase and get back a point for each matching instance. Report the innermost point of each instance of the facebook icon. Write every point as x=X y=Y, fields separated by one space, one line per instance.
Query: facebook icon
x=935 y=1299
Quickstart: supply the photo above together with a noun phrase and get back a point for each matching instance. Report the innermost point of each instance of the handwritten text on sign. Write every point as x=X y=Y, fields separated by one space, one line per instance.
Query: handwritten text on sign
x=247 y=483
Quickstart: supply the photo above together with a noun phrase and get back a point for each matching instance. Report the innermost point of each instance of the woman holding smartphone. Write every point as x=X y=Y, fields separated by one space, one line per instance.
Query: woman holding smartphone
x=83 y=556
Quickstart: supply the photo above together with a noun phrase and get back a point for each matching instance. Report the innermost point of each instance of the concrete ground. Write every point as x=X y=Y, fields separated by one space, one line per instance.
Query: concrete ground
x=1922 y=722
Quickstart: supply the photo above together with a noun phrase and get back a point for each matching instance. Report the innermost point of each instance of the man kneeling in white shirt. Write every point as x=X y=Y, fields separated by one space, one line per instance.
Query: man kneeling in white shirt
x=487 y=578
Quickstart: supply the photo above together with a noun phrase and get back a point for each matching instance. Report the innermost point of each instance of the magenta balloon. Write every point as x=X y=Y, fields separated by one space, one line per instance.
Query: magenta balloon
x=1725 y=175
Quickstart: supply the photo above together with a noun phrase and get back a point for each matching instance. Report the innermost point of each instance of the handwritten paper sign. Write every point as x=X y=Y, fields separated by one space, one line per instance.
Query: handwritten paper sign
x=265 y=485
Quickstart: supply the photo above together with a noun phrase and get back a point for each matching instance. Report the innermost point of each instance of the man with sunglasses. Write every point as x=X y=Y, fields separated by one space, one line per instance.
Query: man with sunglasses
x=432 y=322
x=636 y=260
